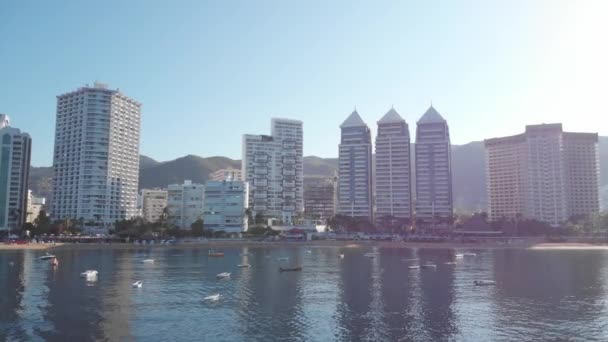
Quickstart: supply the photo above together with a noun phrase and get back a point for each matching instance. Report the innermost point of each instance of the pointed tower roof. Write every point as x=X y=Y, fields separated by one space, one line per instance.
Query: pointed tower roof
x=431 y=116
x=353 y=120
x=391 y=117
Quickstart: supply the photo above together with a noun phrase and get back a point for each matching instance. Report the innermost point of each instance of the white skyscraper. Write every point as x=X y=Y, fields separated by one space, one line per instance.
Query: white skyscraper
x=355 y=169
x=96 y=158
x=15 y=151
x=272 y=165
x=392 y=174
x=433 y=171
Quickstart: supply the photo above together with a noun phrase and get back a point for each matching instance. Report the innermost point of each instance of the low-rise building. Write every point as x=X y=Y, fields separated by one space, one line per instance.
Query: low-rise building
x=225 y=205
x=153 y=203
x=185 y=203
x=226 y=174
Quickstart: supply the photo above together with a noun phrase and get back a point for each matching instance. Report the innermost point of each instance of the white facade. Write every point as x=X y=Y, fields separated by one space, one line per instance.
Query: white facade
x=272 y=165
x=153 y=202
x=543 y=174
x=34 y=206
x=4 y=120
x=434 y=205
x=225 y=204
x=393 y=173
x=96 y=157
x=185 y=203
x=355 y=169
x=226 y=174
x=15 y=152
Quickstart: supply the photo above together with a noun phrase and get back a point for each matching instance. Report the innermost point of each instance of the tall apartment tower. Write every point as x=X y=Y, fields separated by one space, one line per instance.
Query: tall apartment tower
x=392 y=175
x=543 y=174
x=15 y=152
x=355 y=169
x=96 y=158
x=273 y=167
x=433 y=170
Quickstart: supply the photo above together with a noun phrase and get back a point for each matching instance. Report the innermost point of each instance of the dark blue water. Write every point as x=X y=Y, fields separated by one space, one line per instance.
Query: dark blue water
x=540 y=295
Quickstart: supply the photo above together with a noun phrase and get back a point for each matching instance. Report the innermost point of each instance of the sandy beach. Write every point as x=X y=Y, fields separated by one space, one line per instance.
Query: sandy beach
x=525 y=244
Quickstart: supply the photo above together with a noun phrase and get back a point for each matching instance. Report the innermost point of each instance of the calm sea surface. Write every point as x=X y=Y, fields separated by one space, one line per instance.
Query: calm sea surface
x=540 y=295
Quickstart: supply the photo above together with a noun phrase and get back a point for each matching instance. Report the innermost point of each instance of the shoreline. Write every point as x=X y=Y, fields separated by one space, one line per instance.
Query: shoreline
x=530 y=245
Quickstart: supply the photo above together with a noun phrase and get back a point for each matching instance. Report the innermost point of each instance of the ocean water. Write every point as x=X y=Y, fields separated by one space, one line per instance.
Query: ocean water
x=539 y=295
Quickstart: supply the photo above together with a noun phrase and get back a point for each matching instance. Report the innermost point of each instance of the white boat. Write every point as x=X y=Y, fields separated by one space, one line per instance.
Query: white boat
x=484 y=282
x=138 y=283
x=470 y=254
x=89 y=275
x=148 y=261
x=223 y=275
x=415 y=267
x=450 y=263
x=429 y=266
x=459 y=256
x=47 y=256
x=341 y=256
x=213 y=298
x=243 y=265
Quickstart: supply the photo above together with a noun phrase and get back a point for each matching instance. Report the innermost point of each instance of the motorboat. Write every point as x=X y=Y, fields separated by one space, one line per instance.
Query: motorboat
x=450 y=263
x=308 y=251
x=89 y=275
x=138 y=283
x=213 y=298
x=243 y=265
x=433 y=266
x=470 y=254
x=459 y=256
x=290 y=269
x=415 y=267
x=148 y=261
x=213 y=253
x=341 y=256
x=223 y=275
x=484 y=282
x=47 y=256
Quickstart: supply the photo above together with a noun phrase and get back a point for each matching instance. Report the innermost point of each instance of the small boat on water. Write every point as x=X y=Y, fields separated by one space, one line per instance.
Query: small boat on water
x=308 y=251
x=415 y=267
x=213 y=298
x=138 y=283
x=470 y=254
x=341 y=256
x=47 y=256
x=450 y=263
x=89 y=275
x=148 y=261
x=459 y=256
x=213 y=253
x=484 y=282
x=243 y=265
x=223 y=275
x=290 y=269
x=433 y=266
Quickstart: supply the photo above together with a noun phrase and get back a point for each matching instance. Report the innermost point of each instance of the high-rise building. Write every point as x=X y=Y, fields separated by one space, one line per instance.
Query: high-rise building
x=225 y=205
x=543 y=174
x=96 y=157
x=153 y=203
x=185 y=203
x=434 y=206
x=319 y=196
x=15 y=153
x=34 y=206
x=355 y=169
x=272 y=165
x=226 y=174
x=393 y=174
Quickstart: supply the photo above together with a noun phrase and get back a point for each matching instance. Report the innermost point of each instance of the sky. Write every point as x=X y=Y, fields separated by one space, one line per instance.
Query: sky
x=208 y=72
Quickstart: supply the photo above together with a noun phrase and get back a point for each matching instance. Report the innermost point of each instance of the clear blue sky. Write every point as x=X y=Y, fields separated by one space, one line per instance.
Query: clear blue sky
x=208 y=72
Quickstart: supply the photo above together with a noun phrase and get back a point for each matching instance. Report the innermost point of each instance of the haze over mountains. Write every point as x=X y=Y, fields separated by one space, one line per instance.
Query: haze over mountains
x=469 y=183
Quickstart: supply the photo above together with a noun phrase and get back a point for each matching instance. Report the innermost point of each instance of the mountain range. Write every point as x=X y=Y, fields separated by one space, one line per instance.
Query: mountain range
x=468 y=164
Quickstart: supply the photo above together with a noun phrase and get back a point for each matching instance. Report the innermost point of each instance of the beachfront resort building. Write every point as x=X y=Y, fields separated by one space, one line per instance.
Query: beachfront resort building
x=355 y=169
x=226 y=174
x=225 y=205
x=319 y=196
x=96 y=157
x=544 y=174
x=185 y=203
x=153 y=203
x=15 y=152
x=393 y=171
x=434 y=207
x=272 y=165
